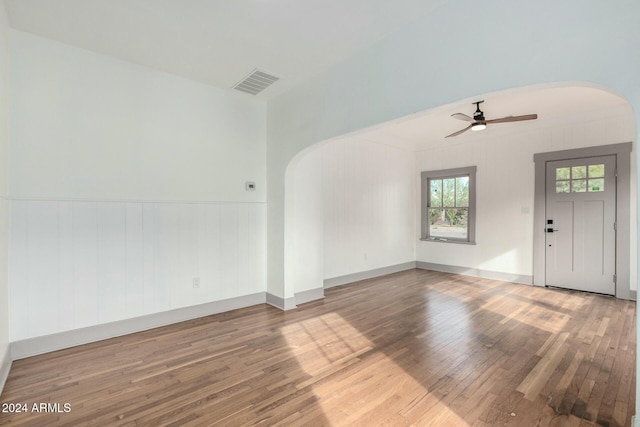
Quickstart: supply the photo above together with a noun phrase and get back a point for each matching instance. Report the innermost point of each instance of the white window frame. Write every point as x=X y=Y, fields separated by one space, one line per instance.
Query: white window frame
x=426 y=177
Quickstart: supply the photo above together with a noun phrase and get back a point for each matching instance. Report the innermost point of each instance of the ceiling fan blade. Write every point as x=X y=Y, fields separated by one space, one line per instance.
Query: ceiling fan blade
x=464 y=117
x=513 y=119
x=460 y=131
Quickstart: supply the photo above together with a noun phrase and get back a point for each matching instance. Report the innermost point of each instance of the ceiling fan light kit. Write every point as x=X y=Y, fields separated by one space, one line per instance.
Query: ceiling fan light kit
x=478 y=122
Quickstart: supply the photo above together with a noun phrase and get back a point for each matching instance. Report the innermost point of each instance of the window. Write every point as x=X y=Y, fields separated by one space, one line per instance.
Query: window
x=448 y=205
x=580 y=179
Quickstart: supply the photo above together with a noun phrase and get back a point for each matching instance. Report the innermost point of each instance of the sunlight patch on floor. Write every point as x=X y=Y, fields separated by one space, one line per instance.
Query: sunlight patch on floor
x=322 y=342
x=328 y=346
x=529 y=313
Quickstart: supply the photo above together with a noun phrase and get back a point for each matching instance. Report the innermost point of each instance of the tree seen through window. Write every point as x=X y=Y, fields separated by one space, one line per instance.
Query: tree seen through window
x=448 y=207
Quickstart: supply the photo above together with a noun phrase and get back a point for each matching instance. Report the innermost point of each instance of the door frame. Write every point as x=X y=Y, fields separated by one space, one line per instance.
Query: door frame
x=622 y=152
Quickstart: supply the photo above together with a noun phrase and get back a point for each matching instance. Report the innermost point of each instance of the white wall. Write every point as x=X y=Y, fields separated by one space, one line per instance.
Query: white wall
x=125 y=184
x=505 y=189
x=4 y=207
x=87 y=126
x=548 y=43
x=350 y=208
x=369 y=205
x=77 y=264
x=304 y=236
x=371 y=211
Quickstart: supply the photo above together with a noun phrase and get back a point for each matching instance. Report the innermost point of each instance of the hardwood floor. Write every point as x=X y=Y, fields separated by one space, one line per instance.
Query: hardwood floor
x=413 y=348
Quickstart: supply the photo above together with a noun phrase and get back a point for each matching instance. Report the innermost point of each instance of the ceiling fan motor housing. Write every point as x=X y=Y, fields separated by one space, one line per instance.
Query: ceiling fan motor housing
x=478 y=115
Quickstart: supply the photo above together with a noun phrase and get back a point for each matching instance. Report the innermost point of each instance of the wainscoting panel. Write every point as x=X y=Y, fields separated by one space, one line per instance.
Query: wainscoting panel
x=75 y=264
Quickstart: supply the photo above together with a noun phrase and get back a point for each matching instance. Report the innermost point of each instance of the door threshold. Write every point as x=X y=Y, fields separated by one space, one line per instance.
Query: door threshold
x=578 y=290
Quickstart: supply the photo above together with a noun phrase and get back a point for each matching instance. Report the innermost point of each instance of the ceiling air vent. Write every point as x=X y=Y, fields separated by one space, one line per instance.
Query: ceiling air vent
x=256 y=82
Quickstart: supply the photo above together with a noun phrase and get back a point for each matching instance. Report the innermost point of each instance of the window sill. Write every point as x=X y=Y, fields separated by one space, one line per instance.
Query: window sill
x=459 y=242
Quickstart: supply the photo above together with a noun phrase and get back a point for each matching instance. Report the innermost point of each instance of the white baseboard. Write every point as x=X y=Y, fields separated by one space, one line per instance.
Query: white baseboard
x=47 y=343
x=5 y=366
x=635 y=422
x=310 y=295
x=283 y=304
x=476 y=272
x=369 y=274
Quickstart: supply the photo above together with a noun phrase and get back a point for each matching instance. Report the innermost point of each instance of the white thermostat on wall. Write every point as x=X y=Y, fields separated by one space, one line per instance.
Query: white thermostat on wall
x=250 y=186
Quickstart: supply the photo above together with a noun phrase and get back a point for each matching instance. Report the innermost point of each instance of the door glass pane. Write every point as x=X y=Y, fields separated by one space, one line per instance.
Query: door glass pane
x=578 y=185
x=562 y=173
x=578 y=172
x=563 y=187
x=436 y=192
x=448 y=223
x=596 y=185
x=448 y=192
x=462 y=191
x=596 y=171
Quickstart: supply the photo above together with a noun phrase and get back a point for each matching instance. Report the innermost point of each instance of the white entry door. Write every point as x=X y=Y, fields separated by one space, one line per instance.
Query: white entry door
x=580 y=224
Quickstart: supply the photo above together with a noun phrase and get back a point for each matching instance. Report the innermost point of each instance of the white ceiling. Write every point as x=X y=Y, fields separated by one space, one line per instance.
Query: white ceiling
x=554 y=106
x=219 y=42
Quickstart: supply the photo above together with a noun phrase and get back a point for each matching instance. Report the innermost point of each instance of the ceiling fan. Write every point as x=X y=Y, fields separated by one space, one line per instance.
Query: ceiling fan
x=478 y=122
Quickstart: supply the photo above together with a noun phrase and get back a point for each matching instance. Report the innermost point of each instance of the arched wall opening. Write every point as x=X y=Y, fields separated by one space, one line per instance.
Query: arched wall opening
x=352 y=203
